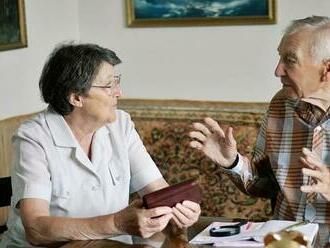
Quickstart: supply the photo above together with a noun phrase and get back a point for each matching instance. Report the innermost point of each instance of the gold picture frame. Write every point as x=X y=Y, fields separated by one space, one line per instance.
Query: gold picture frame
x=136 y=17
x=12 y=24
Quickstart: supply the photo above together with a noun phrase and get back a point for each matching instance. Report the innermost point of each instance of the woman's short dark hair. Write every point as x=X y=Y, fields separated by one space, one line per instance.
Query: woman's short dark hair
x=71 y=68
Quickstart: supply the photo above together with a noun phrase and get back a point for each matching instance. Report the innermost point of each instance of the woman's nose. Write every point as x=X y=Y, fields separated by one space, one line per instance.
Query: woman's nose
x=118 y=92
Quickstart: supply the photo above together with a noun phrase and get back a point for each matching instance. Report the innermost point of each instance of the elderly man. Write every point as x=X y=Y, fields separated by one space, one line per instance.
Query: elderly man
x=291 y=160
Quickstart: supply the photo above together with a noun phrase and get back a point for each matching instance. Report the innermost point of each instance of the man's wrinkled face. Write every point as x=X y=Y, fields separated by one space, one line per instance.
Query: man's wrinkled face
x=300 y=75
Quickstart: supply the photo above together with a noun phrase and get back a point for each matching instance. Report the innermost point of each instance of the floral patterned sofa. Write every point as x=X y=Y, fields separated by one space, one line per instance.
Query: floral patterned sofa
x=164 y=126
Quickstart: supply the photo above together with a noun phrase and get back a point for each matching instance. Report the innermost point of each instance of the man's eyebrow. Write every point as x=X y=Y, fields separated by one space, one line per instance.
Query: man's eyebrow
x=290 y=55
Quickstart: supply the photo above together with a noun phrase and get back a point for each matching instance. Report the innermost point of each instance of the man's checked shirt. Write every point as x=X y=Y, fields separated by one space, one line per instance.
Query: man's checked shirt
x=276 y=170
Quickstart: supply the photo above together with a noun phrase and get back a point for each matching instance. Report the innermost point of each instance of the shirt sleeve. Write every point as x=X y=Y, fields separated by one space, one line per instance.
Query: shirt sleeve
x=143 y=169
x=255 y=177
x=30 y=174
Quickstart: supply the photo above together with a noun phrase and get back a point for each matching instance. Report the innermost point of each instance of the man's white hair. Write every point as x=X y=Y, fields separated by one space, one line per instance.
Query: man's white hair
x=319 y=40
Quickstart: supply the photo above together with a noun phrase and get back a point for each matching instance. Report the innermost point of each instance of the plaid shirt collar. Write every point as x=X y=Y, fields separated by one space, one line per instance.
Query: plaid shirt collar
x=315 y=109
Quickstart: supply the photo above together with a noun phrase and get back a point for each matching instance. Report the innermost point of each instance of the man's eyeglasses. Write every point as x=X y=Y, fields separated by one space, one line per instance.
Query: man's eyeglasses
x=115 y=83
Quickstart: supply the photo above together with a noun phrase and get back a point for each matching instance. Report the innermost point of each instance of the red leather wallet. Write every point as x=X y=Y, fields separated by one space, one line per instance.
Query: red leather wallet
x=169 y=196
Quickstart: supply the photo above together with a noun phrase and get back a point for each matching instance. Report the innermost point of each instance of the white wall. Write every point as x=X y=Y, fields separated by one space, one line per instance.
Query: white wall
x=48 y=23
x=225 y=63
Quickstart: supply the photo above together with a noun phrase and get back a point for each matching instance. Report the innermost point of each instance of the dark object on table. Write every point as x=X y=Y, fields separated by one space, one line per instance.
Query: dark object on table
x=228 y=230
x=169 y=196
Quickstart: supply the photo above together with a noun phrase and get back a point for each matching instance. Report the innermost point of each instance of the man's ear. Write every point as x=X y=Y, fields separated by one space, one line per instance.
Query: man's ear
x=76 y=100
x=326 y=70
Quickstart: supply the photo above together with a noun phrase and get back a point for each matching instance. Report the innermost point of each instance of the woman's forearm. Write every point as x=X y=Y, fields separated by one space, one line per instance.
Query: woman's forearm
x=45 y=230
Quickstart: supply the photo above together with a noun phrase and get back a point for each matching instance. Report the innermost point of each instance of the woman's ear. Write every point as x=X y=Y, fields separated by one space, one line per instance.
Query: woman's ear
x=76 y=100
x=326 y=71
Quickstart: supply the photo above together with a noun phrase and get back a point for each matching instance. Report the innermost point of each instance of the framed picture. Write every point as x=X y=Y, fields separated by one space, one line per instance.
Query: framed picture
x=12 y=24
x=147 y=13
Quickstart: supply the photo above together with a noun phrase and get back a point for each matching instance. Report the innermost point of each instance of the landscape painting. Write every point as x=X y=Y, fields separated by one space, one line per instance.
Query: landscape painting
x=199 y=12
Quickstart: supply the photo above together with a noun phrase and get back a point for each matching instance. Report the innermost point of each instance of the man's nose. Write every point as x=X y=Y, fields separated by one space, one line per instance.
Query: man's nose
x=280 y=70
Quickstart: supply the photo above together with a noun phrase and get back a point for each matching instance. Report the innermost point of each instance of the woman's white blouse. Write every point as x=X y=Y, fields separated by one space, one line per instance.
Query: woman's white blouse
x=49 y=164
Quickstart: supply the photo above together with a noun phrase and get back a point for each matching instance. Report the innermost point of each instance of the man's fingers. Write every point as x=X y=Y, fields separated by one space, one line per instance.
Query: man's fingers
x=321 y=188
x=214 y=126
x=202 y=128
x=311 y=159
x=313 y=173
x=308 y=152
x=230 y=140
x=308 y=162
x=195 y=144
x=311 y=188
x=306 y=188
x=197 y=135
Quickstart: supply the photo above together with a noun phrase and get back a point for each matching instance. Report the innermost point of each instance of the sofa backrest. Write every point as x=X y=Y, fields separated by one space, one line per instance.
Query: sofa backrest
x=7 y=129
x=164 y=126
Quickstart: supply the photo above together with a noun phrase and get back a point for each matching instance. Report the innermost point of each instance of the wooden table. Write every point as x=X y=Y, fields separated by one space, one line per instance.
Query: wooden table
x=159 y=240
x=155 y=241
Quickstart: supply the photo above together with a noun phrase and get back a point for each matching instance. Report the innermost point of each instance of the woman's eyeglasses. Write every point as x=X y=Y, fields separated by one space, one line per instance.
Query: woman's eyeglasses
x=115 y=83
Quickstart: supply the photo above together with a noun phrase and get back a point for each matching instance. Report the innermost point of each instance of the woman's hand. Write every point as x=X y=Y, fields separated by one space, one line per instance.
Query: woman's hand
x=186 y=213
x=214 y=142
x=317 y=170
x=135 y=220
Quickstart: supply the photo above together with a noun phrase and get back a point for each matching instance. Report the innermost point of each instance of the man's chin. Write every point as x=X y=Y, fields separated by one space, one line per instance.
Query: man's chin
x=289 y=92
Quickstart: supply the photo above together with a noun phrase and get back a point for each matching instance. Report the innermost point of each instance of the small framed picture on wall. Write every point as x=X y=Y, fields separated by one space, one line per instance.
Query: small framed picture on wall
x=12 y=24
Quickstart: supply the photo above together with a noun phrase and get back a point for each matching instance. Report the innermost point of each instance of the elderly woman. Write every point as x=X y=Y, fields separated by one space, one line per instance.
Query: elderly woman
x=77 y=162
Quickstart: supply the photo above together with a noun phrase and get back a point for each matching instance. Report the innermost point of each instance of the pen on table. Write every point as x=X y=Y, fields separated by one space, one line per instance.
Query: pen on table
x=248 y=225
x=289 y=228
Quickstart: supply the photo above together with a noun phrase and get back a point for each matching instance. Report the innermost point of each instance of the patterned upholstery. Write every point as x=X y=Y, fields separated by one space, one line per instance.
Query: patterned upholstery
x=164 y=128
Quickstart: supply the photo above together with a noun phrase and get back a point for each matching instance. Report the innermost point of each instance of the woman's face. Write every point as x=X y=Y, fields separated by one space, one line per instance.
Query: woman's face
x=100 y=104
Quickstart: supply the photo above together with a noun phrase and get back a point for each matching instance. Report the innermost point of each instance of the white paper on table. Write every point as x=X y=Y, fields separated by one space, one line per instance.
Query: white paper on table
x=308 y=230
x=242 y=243
x=252 y=233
